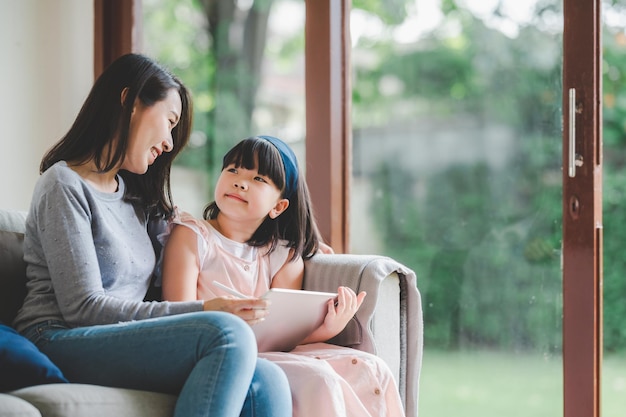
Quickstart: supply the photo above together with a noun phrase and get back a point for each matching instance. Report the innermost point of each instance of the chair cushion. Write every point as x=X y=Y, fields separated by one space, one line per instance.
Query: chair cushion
x=22 y=364
x=11 y=406
x=80 y=400
x=12 y=220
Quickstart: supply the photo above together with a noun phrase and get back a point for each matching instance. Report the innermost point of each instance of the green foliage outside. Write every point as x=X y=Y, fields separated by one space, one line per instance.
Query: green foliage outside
x=175 y=36
x=485 y=244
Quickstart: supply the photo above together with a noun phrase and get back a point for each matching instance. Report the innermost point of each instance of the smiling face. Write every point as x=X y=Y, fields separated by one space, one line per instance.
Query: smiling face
x=151 y=132
x=247 y=197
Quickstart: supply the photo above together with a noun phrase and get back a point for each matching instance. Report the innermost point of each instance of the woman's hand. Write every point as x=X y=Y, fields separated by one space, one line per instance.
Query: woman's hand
x=252 y=310
x=324 y=248
x=338 y=315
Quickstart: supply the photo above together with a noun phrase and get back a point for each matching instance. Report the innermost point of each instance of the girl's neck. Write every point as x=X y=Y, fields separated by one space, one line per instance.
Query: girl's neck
x=233 y=230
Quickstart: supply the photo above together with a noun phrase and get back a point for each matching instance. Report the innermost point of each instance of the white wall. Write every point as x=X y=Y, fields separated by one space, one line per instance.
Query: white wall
x=46 y=71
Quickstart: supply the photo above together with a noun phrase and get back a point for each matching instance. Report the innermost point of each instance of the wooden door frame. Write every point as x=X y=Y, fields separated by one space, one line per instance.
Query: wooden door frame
x=328 y=125
x=582 y=210
x=117 y=31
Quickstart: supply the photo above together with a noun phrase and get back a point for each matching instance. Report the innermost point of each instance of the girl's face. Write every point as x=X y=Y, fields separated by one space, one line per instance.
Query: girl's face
x=246 y=196
x=151 y=132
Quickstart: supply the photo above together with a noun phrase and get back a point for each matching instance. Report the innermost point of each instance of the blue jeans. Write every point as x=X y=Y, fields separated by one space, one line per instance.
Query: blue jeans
x=208 y=359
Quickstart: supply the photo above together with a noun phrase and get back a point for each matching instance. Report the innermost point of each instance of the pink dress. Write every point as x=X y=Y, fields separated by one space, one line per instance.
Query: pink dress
x=326 y=380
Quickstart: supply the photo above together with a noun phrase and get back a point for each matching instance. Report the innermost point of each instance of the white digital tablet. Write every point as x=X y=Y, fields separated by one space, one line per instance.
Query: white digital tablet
x=293 y=315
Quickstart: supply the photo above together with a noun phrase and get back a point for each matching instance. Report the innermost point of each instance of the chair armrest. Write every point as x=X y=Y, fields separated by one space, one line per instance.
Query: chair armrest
x=389 y=322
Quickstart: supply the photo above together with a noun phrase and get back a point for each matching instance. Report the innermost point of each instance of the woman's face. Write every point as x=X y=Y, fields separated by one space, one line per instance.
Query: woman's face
x=151 y=132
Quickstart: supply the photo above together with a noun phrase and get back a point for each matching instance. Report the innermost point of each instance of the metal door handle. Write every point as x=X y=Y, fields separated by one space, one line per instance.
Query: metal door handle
x=574 y=160
x=572 y=133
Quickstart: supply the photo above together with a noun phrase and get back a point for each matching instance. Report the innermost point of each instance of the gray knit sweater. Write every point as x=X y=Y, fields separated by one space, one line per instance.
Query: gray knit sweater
x=89 y=256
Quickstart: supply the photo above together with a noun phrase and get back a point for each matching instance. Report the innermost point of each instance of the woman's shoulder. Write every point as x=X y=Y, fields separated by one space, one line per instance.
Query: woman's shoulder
x=60 y=183
x=60 y=173
x=58 y=180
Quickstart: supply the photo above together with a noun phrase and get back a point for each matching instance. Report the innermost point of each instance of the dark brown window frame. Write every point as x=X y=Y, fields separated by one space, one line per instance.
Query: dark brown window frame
x=118 y=31
x=328 y=127
x=582 y=211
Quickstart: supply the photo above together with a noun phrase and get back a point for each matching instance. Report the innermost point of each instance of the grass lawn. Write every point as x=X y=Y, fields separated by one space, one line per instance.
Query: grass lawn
x=613 y=386
x=494 y=384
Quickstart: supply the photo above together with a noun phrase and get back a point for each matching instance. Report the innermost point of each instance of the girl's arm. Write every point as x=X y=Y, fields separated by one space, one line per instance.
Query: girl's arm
x=181 y=269
x=181 y=266
x=291 y=276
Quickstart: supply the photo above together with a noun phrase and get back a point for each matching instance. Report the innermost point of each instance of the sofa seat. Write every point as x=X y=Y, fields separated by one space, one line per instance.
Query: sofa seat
x=69 y=400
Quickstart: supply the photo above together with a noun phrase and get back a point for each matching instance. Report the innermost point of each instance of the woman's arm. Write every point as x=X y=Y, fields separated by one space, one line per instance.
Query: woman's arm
x=92 y=255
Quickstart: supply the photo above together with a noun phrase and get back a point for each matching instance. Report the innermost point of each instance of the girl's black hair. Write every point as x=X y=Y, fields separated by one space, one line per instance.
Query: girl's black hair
x=103 y=117
x=296 y=225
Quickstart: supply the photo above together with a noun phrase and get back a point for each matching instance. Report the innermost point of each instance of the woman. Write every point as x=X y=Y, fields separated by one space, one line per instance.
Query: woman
x=90 y=258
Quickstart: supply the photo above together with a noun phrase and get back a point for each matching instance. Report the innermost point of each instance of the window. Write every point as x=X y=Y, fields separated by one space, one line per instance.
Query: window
x=582 y=63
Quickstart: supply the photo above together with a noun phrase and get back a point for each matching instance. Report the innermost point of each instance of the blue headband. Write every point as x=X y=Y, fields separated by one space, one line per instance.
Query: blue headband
x=289 y=162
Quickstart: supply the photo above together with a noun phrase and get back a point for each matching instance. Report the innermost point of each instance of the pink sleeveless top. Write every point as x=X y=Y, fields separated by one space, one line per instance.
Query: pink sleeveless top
x=245 y=268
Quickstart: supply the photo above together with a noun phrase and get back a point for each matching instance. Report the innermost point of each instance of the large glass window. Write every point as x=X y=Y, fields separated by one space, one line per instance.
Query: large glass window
x=457 y=173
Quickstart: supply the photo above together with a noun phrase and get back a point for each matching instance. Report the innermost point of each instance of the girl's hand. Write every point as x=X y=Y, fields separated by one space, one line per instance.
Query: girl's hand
x=338 y=315
x=252 y=310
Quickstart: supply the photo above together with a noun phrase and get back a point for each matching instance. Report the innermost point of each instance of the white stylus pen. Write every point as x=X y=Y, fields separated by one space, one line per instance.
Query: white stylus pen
x=230 y=290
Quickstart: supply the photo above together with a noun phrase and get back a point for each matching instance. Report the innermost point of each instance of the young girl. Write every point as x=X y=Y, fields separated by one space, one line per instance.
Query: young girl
x=255 y=236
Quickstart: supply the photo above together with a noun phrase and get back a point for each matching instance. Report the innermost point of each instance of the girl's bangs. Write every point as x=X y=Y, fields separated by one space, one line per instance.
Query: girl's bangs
x=260 y=155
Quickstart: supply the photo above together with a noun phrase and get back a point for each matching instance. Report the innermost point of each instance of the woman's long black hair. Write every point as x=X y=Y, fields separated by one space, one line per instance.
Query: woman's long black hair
x=103 y=116
x=296 y=225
